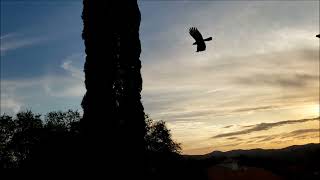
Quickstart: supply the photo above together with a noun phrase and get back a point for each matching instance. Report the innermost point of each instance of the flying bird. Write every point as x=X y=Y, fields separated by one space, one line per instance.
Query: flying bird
x=318 y=35
x=200 y=42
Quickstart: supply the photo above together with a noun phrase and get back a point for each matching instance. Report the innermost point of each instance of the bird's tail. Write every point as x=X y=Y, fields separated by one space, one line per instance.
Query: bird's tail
x=208 y=39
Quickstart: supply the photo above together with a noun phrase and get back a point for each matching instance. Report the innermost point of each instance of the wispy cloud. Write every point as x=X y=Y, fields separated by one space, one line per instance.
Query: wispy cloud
x=283 y=80
x=48 y=89
x=264 y=81
x=301 y=132
x=68 y=65
x=9 y=104
x=263 y=127
x=234 y=138
x=265 y=138
x=70 y=86
x=277 y=140
x=66 y=88
x=5 y=36
x=13 y=41
x=293 y=134
x=254 y=109
x=228 y=126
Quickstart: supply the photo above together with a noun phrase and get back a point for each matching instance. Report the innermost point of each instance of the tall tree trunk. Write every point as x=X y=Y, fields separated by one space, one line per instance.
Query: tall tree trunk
x=113 y=123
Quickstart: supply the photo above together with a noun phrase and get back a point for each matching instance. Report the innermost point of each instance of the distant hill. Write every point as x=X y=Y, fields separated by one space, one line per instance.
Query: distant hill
x=295 y=150
x=293 y=162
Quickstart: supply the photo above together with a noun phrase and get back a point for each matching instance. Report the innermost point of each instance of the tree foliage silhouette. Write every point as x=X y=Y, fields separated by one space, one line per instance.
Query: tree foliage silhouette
x=113 y=119
x=23 y=136
x=18 y=137
x=62 y=121
x=158 y=138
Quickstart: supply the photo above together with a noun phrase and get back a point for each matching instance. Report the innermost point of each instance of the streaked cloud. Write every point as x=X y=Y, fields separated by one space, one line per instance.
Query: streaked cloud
x=277 y=140
x=265 y=138
x=263 y=127
x=13 y=41
x=253 y=109
x=8 y=35
x=228 y=126
x=234 y=138
x=283 y=80
x=301 y=132
x=234 y=79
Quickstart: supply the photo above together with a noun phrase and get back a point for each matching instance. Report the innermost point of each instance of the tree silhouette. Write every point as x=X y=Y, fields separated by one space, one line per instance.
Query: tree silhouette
x=113 y=120
x=18 y=137
x=7 y=129
x=158 y=138
x=27 y=137
x=62 y=121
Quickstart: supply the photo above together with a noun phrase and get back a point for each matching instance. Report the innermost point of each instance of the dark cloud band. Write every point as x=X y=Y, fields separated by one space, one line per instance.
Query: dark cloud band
x=264 y=126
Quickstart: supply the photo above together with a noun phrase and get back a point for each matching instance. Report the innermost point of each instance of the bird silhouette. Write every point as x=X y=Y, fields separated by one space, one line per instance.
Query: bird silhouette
x=318 y=35
x=200 y=42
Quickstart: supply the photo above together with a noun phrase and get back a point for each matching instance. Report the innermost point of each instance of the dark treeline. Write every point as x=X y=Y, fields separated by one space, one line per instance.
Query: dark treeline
x=27 y=136
x=21 y=136
x=54 y=141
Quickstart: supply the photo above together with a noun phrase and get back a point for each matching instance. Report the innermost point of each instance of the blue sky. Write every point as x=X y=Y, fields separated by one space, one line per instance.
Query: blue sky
x=261 y=67
x=36 y=39
x=42 y=33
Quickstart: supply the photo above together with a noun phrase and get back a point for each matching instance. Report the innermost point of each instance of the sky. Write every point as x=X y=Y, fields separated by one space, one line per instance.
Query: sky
x=256 y=85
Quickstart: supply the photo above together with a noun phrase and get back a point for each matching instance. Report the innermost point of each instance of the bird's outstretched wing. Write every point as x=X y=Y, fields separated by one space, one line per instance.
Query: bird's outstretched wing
x=194 y=32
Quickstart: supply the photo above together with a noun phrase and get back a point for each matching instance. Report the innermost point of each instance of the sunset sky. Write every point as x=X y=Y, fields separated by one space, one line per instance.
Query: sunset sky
x=256 y=85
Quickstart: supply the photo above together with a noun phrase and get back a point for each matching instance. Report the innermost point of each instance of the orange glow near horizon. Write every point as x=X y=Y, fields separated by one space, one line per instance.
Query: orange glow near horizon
x=279 y=136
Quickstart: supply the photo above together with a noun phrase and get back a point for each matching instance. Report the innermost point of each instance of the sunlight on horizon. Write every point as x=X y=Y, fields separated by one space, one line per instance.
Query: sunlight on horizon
x=312 y=110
